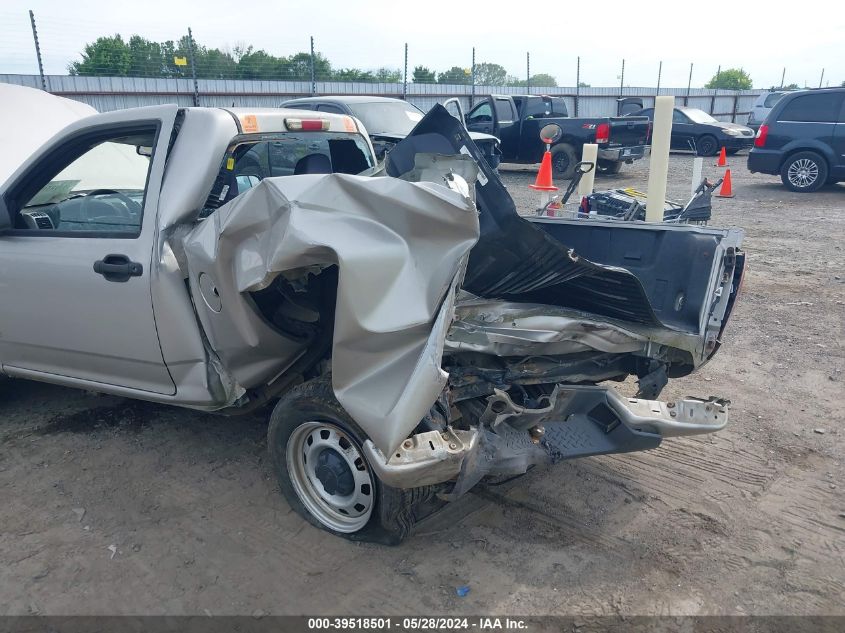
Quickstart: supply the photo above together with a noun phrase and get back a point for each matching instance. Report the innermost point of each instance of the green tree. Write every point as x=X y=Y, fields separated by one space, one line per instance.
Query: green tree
x=354 y=74
x=258 y=65
x=540 y=80
x=543 y=80
x=388 y=75
x=487 y=74
x=792 y=86
x=583 y=84
x=298 y=67
x=423 y=75
x=730 y=79
x=455 y=75
x=106 y=56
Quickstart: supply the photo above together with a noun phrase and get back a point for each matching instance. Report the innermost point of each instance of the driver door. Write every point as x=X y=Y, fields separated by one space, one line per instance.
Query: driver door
x=683 y=136
x=480 y=118
x=77 y=226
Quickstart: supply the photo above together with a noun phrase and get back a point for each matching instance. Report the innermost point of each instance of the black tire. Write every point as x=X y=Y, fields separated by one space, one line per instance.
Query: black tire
x=564 y=160
x=394 y=511
x=707 y=145
x=608 y=167
x=804 y=172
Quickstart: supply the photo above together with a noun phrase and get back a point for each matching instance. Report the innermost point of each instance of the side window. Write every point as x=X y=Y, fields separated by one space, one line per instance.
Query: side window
x=559 y=108
x=328 y=107
x=817 y=108
x=96 y=185
x=679 y=117
x=537 y=109
x=482 y=113
x=649 y=112
x=504 y=110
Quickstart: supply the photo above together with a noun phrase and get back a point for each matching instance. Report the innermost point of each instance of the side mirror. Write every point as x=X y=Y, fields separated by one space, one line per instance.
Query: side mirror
x=550 y=133
x=142 y=150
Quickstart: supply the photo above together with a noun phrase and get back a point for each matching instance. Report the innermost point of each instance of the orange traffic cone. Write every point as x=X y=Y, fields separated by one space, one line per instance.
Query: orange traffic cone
x=723 y=159
x=544 y=176
x=726 y=191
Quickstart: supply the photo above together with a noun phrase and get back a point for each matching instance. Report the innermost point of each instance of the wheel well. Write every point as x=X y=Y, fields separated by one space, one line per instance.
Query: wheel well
x=799 y=150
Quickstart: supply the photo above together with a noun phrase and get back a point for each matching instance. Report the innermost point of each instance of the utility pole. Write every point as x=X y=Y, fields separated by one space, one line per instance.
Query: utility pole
x=622 y=80
x=659 y=73
x=821 y=79
x=405 y=84
x=38 y=51
x=313 y=79
x=689 y=85
x=472 y=80
x=577 y=83
x=715 y=91
x=528 y=72
x=783 y=77
x=193 y=67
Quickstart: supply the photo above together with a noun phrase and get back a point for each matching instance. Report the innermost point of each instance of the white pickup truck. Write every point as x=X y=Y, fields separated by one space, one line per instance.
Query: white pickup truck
x=414 y=334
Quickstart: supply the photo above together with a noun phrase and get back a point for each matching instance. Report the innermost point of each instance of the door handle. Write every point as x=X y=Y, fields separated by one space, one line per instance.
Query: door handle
x=117 y=268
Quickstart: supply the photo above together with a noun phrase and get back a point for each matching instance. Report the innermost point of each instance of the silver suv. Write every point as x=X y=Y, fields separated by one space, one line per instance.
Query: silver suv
x=764 y=104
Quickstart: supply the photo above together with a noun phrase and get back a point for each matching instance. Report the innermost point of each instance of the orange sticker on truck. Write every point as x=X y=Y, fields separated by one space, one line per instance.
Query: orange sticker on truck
x=249 y=123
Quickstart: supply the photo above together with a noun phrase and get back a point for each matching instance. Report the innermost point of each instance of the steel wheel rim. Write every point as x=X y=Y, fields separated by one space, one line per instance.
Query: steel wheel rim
x=330 y=504
x=707 y=147
x=561 y=162
x=803 y=172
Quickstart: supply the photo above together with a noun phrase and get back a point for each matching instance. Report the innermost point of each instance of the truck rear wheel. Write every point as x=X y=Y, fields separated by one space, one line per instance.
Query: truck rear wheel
x=563 y=161
x=316 y=449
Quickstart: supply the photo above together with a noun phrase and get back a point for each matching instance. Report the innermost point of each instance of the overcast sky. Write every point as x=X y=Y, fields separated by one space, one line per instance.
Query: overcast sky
x=762 y=37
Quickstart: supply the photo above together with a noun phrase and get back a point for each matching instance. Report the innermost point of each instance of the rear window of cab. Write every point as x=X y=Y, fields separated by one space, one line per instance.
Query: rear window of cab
x=249 y=160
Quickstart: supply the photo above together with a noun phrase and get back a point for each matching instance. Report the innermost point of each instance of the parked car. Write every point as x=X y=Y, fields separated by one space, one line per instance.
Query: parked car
x=516 y=120
x=762 y=106
x=387 y=120
x=414 y=332
x=695 y=130
x=803 y=140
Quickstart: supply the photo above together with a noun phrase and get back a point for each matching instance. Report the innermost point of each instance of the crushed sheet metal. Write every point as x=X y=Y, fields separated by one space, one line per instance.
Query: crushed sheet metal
x=400 y=248
x=517 y=329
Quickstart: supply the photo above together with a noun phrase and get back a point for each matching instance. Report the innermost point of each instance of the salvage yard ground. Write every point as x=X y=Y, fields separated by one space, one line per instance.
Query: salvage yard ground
x=111 y=506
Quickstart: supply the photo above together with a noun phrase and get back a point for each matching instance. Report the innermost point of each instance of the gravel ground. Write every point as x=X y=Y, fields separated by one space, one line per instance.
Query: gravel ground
x=109 y=506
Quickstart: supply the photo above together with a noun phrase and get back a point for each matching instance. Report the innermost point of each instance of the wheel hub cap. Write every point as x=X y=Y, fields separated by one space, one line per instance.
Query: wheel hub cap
x=803 y=172
x=334 y=473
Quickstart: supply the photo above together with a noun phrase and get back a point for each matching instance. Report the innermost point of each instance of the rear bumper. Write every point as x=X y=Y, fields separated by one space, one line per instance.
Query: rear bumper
x=622 y=154
x=577 y=421
x=764 y=161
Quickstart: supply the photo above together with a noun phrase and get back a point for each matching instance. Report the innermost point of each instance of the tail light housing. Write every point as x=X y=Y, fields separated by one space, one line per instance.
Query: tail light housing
x=762 y=134
x=307 y=125
x=603 y=133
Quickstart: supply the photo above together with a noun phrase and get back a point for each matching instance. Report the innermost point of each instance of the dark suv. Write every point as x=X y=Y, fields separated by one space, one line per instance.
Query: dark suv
x=803 y=140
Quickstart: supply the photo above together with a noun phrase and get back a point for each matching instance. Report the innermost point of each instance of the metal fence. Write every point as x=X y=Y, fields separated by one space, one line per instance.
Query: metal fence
x=114 y=93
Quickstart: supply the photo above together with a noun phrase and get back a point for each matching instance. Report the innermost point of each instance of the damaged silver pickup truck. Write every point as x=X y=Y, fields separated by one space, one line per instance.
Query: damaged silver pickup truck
x=415 y=333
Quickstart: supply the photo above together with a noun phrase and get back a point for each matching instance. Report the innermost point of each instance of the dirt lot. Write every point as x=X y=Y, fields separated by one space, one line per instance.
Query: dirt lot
x=747 y=521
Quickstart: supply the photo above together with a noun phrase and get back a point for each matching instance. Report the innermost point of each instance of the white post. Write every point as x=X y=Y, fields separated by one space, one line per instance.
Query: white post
x=658 y=170
x=697 y=164
x=590 y=155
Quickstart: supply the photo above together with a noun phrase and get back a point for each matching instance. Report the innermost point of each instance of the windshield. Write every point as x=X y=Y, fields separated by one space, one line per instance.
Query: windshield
x=699 y=116
x=395 y=118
